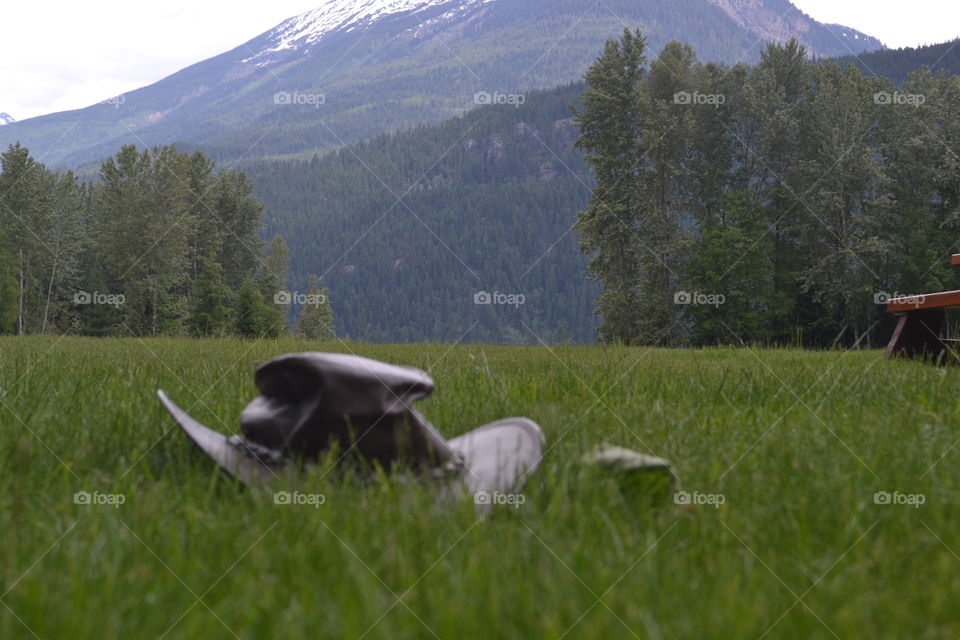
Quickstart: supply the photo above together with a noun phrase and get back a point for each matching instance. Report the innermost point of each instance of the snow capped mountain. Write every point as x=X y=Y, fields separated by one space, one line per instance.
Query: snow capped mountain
x=6 y=118
x=389 y=65
x=344 y=16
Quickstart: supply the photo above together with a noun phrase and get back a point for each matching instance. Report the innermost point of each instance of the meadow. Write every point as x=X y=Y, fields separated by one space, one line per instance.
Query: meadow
x=822 y=485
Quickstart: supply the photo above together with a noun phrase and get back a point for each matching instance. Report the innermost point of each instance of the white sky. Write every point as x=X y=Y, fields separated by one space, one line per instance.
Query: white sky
x=59 y=55
x=898 y=23
x=67 y=54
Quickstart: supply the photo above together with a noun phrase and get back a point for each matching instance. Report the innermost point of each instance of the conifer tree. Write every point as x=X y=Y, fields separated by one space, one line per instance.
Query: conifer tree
x=272 y=282
x=316 y=317
x=252 y=317
x=8 y=287
x=209 y=312
x=609 y=122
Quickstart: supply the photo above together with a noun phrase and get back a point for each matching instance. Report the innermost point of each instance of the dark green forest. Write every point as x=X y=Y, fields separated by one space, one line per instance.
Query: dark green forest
x=161 y=244
x=810 y=189
x=406 y=228
x=897 y=64
x=777 y=203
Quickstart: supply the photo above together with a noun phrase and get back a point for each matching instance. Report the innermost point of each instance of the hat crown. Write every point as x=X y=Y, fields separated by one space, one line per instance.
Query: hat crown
x=309 y=401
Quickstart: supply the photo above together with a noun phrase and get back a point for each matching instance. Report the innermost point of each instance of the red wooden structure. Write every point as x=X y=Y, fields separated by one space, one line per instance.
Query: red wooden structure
x=921 y=321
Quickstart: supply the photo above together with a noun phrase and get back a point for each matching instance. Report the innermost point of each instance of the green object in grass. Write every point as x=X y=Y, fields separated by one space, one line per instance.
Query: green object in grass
x=641 y=477
x=614 y=458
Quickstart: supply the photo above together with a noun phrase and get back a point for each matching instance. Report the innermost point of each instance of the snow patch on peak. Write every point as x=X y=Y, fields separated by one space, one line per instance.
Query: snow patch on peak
x=6 y=118
x=334 y=15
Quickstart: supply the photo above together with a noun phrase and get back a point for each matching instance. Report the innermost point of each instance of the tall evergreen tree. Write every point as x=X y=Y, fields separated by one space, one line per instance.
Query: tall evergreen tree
x=664 y=186
x=609 y=122
x=237 y=213
x=208 y=233
x=316 y=316
x=843 y=226
x=253 y=318
x=768 y=128
x=9 y=289
x=209 y=314
x=272 y=281
x=64 y=240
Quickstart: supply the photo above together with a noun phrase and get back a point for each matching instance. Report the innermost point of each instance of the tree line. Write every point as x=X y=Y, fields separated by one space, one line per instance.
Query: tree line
x=897 y=64
x=161 y=244
x=778 y=203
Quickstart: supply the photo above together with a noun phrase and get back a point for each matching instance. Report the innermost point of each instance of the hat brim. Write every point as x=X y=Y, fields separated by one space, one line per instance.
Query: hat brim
x=248 y=469
x=498 y=457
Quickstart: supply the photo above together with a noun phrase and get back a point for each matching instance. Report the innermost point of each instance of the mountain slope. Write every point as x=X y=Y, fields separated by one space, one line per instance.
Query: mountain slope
x=488 y=202
x=779 y=20
x=6 y=118
x=896 y=64
x=350 y=70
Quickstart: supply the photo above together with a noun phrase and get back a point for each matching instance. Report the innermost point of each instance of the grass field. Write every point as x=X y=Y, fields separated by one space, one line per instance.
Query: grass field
x=794 y=444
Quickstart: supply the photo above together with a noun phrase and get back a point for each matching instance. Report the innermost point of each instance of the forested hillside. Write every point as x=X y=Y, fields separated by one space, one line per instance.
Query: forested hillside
x=897 y=64
x=405 y=229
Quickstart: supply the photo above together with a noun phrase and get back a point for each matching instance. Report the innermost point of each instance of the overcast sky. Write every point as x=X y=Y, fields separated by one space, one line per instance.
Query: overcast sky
x=66 y=55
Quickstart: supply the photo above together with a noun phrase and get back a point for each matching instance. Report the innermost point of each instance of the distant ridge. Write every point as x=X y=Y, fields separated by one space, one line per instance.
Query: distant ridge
x=896 y=64
x=779 y=20
x=352 y=69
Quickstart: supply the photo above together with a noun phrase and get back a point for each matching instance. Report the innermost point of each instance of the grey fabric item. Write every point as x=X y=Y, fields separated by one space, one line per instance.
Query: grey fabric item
x=228 y=453
x=311 y=401
x=498 y=456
